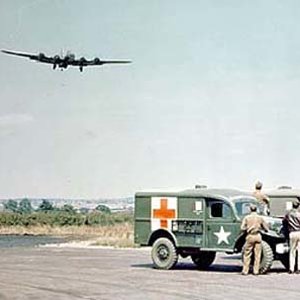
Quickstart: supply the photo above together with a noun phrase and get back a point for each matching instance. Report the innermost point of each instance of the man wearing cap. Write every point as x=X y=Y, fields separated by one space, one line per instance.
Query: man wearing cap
x=292 y=219
x=263 y=200
x=252 y=225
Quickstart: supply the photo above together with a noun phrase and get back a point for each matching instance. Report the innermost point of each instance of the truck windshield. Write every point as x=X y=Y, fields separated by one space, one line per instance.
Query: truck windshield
x=242 y=207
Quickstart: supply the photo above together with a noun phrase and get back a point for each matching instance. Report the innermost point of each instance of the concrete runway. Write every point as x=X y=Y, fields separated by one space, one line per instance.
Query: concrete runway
x=80 y=273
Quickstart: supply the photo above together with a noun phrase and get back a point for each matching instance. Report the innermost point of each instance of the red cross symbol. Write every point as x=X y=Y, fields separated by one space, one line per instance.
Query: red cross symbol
x=164 y=213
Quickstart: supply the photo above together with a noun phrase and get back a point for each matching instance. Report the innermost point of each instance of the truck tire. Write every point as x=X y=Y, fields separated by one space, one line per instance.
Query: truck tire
x=204 y=259
x=266 y=258
x=164 y=254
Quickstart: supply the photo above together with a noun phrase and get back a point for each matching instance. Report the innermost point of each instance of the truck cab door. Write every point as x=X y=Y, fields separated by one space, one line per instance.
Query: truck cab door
x=222 y=228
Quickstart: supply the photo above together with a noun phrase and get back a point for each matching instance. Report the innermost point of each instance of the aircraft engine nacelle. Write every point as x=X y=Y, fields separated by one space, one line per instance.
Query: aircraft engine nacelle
x=97 y=60
x=56 y=58
x=41 y=56
x=71 y=56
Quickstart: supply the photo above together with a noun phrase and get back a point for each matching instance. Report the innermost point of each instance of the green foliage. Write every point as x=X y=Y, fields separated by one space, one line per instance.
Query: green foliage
x=25 y=206
x=45 y=206
x=67 y=219
x=103 y=208
x=63 y=218
x=83 y=210
x=10 y=219
x=68 y=209
x=11 y=205
x=98 y=218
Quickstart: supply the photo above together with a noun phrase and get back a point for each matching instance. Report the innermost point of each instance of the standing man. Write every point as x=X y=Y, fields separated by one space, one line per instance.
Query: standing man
x=292 y=219
x=263 y=200
x=252 y=225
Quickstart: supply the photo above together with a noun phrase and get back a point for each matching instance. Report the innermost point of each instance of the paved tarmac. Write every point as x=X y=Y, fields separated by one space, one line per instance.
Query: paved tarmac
x=106 y=274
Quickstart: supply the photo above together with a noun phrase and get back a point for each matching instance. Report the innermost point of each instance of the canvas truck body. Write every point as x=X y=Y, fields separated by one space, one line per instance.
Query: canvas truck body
x=196 y=223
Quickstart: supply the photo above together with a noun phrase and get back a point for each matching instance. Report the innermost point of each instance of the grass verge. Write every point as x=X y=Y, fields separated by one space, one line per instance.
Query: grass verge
x=118 y=235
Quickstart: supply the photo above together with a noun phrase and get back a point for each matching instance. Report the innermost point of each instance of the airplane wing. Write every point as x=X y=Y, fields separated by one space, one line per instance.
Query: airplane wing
x=102 y=62
x=96 y=62
x=38 y=57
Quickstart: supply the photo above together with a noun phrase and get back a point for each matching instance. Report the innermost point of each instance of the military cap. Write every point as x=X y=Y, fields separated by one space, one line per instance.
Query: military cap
x=258 y=185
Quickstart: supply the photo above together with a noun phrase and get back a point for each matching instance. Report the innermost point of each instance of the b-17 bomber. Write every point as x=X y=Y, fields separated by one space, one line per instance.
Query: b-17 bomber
x=69 y=59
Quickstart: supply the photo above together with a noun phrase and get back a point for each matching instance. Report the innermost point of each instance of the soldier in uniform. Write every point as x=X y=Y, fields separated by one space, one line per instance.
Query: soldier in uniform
x=252 y=225
x=263 y=200
x=292 y=219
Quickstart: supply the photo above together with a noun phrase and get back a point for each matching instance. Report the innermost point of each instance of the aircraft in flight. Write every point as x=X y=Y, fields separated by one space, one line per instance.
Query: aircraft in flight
x=69 y=59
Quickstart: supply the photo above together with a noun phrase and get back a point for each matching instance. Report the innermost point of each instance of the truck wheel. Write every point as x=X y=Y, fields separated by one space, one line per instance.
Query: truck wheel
x=164 y=254
x=266 y=257
x=204 y=259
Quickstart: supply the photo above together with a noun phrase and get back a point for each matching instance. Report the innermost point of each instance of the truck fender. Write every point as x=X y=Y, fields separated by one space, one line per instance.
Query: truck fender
x=161 y=233
x=271 y=234
x=271 y=237
x=239 y=243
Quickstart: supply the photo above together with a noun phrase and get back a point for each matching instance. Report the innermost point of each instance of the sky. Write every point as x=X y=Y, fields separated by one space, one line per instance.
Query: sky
x=211 y=96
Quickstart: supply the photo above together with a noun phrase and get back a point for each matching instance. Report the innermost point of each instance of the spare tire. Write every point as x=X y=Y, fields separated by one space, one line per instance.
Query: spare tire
x=267 y=257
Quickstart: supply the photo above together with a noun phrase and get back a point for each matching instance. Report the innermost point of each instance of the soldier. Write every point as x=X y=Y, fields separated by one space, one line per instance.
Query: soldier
x=292 y=219
x=263 y=200
x=252 y=224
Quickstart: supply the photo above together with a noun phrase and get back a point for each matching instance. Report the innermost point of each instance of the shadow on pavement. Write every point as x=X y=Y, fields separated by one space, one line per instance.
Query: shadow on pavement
x=192 y=267
x=215 y=268
x=278 y=270
x=143 y=266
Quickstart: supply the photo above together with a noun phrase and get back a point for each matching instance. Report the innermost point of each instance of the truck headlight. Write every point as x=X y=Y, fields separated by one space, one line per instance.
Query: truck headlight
x=282 y=248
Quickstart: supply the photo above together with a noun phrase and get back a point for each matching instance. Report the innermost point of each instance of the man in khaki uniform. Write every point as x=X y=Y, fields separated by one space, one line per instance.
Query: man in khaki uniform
x=252 y=224
x=263 y=200
x=292 y=219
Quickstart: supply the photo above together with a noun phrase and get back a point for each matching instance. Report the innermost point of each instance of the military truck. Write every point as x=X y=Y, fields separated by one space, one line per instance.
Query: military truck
x=199 y=223
x=281 y=199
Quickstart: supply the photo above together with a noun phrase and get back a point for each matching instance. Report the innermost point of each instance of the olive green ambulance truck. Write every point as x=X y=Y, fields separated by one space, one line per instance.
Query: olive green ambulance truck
x=281 y=199
x=199 y=223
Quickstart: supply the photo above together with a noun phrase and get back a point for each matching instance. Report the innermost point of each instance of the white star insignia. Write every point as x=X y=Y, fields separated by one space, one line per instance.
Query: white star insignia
x=222 y=236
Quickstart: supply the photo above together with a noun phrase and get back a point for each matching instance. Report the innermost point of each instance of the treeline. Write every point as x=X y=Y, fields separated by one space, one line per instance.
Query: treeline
x=22 y=214
x=25 y=207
